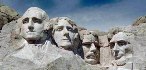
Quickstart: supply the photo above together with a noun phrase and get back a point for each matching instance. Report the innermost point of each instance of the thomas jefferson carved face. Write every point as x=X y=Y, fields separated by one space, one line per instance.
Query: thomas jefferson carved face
x=32 y=24
x=119 y=44
x=64 y=34
x=91 y=52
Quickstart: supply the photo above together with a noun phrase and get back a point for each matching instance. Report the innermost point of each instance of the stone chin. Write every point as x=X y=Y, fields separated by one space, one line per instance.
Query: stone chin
x=66 y=45
x=32 y=37
x=119 y=56
x=91 y=61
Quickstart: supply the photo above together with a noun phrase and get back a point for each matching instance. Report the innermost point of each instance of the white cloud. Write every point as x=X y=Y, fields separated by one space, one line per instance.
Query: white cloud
x=62 y=6
x=107 y=16
x=121 y=13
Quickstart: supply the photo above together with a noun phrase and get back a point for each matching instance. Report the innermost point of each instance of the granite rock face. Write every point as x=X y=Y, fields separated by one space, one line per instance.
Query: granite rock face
x=140 y=21
x=56 y=58
x=6 y=39
x=138 y=49
x=52 y=59
x=7 y=15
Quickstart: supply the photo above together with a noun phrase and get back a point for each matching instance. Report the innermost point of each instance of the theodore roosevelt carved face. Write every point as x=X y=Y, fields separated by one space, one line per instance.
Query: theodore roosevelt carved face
x=90 y=48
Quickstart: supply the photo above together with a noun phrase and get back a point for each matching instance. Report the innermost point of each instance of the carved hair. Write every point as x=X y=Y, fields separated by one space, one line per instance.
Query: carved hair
x=54 y=21
x=92 y=33
x=77 y=46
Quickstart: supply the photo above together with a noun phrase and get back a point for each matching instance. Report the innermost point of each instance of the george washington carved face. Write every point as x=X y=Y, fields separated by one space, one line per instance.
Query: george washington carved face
x=32 y=26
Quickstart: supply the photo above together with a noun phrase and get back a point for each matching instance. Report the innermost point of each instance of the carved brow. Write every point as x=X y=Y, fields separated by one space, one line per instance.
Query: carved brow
x=36 y=20
x=25 y=20
x=59 y=28
x=122 y=41
x=69 y=28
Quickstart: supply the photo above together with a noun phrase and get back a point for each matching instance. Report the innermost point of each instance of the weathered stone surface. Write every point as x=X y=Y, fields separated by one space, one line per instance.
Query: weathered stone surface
x=105 y=57
x=65 y=33
x=137 y=45
x=91 y=48
x=7 y=15
x=139 y=21
x=5 y=39
x=121 y=50
x=56 y=59
x=60 y=59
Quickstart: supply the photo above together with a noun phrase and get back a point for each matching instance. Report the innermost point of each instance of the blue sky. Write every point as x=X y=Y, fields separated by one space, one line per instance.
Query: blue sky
x=91 y=14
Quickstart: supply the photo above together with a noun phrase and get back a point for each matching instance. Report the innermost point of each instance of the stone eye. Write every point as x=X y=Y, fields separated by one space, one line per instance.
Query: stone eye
x=121 y=43
x=69 y=29
x=36 y=20
x=59 y=29
x=87 y=45
x=112 y=44
x=26 y=20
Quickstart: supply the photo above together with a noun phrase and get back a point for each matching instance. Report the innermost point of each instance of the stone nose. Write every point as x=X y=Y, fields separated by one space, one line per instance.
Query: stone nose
x=65 y=32
x=30 y=28
x=116 y=47
x=93 y=48
x=30 y=25
x=116 y=51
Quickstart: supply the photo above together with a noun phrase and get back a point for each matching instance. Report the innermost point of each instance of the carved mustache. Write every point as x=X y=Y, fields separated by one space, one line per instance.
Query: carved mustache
x=90 y=56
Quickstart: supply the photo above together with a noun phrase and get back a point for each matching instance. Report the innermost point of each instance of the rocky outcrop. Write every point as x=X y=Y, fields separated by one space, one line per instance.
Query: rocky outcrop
x=55 y=59
x=140 y=21
x=138 y=45
x=60 y=59
x=7 y=15
x=6 y=40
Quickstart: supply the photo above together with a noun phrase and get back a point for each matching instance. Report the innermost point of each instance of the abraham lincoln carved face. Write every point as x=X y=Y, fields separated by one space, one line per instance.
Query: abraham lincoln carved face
x=119 y=44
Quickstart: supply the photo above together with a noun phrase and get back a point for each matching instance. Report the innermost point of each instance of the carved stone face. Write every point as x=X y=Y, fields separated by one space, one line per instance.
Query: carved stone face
x=90 y=45
x=119 y=44
x=64 y=34
x=32 y=25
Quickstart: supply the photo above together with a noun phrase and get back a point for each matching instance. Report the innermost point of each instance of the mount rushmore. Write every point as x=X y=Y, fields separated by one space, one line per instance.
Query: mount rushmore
x=34 y=41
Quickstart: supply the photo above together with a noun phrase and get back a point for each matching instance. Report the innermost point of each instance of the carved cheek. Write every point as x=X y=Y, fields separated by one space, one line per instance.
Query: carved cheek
x=116 y=47
x=58 y=35
x=24 y=27
x=122 y=49
x=72 y=36
x=38 y=27
x=85 y=49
